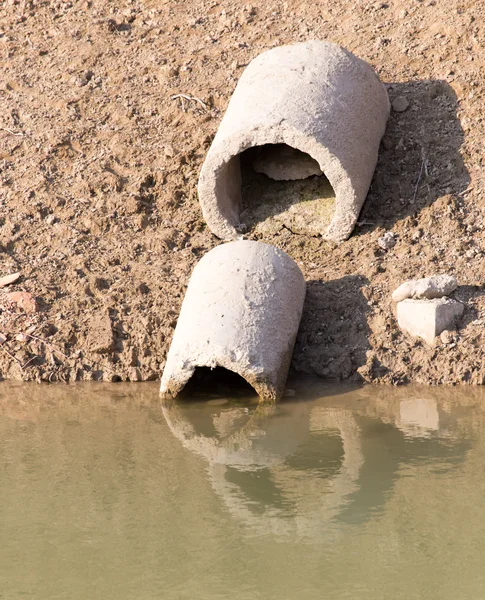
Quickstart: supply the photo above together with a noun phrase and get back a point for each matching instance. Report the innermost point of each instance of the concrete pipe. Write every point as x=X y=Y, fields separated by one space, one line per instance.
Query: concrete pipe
x=241 y=312
x=319 y=109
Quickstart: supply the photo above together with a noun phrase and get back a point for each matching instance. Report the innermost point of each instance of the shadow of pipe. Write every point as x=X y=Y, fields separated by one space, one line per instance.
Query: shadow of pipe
x=419 y=159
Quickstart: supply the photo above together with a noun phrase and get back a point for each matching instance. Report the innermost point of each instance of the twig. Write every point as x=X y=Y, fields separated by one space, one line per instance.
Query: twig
x=24 y=366
x=423 y=161
x=12 y=132
x=183 y=97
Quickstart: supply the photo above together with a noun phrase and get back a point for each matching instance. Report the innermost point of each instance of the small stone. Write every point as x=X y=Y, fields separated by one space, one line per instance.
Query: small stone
x=427 y=319
x=428 y=287
x=3 y=338
x=289 y=393
x=400 y=104
x=50 y=219
x=447 y=337
x=387 y=241
x=8 y=279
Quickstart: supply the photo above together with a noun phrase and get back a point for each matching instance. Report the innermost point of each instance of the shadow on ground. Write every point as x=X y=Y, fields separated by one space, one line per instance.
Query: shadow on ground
x=419 y=159
x=333 y=336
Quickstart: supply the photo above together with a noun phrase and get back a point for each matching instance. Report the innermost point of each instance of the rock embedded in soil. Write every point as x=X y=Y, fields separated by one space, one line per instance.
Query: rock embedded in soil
x=428 y=287
x=447 y=337
x=400 y=104
x=427 y=319
x=387 y=241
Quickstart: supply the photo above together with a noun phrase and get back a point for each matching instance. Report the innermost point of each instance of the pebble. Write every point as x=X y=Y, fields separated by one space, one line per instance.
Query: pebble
x=8 y=279
x=447 y=337
x=400 y=104
x=50 y=219
x=387 y=241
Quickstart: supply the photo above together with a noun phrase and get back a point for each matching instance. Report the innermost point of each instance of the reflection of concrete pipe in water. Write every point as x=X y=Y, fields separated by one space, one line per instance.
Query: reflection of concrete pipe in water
x=241 y=312
x=313 y=103
x=263 y=443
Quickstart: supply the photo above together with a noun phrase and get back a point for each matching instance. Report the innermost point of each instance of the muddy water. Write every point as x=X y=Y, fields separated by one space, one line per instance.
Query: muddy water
x=371 y=493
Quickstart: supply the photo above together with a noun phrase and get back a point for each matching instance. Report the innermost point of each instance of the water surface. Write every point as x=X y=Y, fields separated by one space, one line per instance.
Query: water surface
x=368 y=493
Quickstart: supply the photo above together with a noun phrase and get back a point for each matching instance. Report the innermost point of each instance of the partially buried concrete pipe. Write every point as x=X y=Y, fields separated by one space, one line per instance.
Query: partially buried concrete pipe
x=316 y=98
x=241 y=312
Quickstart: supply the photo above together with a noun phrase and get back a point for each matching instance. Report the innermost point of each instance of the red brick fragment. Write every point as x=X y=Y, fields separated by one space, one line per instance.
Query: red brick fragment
x=23 y=300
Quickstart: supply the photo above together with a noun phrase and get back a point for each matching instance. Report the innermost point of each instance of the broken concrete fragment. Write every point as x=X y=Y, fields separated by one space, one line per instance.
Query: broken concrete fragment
x=426 y=319
x=8 y=279
x=282 y=163
x=241 y=312
x=315 y=97
x=428 y=287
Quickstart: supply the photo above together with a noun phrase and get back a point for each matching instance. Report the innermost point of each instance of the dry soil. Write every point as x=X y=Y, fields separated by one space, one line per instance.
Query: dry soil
x=99 y=162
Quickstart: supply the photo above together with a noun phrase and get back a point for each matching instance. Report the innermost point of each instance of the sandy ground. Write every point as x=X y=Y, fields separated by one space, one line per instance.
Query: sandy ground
x=99 y=166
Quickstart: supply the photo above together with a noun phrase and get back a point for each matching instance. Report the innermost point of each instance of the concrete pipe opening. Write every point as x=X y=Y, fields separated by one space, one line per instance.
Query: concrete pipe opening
x=241 y=312
x=282 y=186
x=218 y=381
x=312 y=116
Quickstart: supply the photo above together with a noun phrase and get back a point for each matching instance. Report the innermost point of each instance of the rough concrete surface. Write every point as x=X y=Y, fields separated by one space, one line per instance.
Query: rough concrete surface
x=426 y=319
x=315 y=97
x=428 y=287
x=241 y=311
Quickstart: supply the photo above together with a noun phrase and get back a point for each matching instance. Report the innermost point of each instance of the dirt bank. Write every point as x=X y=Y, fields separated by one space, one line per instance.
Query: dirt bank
x=99 y=166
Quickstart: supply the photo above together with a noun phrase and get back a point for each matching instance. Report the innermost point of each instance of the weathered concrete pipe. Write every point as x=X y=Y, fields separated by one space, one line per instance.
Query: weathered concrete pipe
x=241 y=311
x=315 y=97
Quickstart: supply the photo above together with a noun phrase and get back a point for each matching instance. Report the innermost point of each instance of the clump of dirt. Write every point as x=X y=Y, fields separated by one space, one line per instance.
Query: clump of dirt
x=107 y=110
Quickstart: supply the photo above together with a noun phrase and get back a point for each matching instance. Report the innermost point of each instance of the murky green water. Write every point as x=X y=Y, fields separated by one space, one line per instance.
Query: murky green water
x=371 y=493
